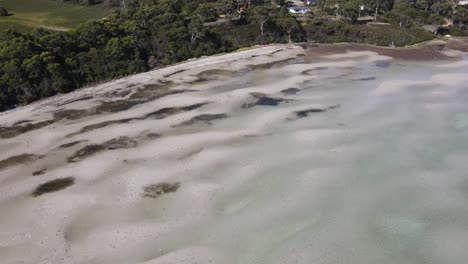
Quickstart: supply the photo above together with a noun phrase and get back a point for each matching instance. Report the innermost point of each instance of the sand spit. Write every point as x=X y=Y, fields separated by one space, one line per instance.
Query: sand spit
x=431 y=50
x=276 y=154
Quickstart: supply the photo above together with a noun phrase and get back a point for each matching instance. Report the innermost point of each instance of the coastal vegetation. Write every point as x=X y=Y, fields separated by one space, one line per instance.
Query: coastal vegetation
x=145 y=34
x=25 y=15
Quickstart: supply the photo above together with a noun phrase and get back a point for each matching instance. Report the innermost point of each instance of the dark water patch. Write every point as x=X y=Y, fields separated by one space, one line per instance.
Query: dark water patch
x=91 y=150
x=77 y=100
x=16 y=130
x=155 y=190
x=18 y=160
x=382 y=64
x=53 y=186
x=203 y=119
x=39 y=172
x=71 y=144
x=290 y=91
x=365 y=79
x=263 y=100
x=305 y=113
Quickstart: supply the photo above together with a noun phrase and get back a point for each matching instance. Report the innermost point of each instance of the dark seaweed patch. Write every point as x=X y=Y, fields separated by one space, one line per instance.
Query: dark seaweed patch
x=53 y=186
x=174 y=73
x=85 y=152
x=39 y=172
x=159 y=114
x=203 y=119
x=77 y=100
x=156 y=190
x=167 y=111
x=153 y=135
x=141 y=96
x=305 y=113
x=71 y=114
x=18 y=160
x=215 y=74
x=120 y=142
x=117 y=106
x=16 y=130
x=71 y=144
x=22 y=122
x=90 y=150
x=100 y=125
x=154 y=91
x=290 y=91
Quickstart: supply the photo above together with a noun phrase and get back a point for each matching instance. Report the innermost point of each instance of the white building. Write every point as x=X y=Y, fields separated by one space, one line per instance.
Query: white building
x=298 y=9
x=463 y=2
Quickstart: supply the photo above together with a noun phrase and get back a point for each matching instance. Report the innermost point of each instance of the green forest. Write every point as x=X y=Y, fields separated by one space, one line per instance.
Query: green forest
x=145 y=34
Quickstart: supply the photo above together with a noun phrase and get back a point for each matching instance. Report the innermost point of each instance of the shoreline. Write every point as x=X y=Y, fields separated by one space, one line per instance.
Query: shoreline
x=437 y=49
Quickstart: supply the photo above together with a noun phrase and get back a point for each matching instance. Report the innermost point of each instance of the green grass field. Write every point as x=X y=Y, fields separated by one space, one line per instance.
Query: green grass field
x=49 y=14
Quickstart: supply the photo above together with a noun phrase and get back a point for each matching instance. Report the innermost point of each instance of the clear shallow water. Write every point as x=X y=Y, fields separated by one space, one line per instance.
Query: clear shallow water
x=379 y=177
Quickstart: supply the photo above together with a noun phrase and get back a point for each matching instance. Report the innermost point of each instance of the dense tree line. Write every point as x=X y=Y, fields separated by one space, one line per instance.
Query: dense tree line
x=146 y=34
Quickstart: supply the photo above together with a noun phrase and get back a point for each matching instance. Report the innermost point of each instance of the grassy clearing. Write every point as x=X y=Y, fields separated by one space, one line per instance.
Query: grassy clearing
x=49 y=14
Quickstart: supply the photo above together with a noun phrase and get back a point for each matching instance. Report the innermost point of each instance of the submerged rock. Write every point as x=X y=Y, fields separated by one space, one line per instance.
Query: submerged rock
x=53 y=186
x=156 y=190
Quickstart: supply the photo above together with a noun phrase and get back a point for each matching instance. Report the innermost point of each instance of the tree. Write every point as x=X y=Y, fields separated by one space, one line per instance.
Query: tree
x=3 y=11
x=287 y=23
x=402 y=14
x=261 y=14
x=196 y=30
x=453 y=4
x=350 y=9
